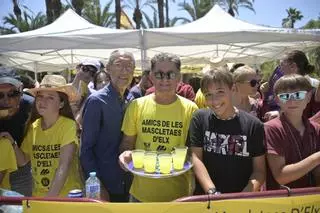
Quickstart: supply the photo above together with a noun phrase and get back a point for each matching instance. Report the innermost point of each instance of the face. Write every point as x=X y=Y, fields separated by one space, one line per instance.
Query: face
x=48 y=103
x=293 y=102
x=9 y=100
x=121 y=71
x=87 y=72
x=165 y=77
x=288 y=67
x=249 y=86
x=219 y=99
x=102 y=80
x=146 y=82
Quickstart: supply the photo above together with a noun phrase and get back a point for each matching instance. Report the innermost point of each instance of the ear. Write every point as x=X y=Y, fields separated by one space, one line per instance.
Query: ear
x=61 y=104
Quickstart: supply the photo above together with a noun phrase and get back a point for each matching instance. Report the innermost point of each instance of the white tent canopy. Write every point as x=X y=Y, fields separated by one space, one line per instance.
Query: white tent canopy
x=218 y=34
x=70 y=39
x=65 y=43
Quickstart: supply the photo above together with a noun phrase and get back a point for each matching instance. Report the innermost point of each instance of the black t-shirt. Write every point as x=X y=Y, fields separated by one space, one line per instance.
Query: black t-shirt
x=16 y=124
x=228 y=147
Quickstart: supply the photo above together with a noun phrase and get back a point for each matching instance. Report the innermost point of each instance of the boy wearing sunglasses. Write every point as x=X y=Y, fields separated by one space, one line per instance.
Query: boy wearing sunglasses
x=14 y=112
x=293 y=142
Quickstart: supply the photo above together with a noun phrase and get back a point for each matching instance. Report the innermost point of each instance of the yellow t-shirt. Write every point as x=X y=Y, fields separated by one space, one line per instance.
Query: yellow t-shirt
x=43 y=147
x=200 y=100
x=159 y=127
x=8 y=162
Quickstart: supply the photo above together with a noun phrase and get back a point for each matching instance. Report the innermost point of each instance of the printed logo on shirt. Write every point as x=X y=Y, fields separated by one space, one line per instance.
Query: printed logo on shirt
x=226 y=144
x=161 y=131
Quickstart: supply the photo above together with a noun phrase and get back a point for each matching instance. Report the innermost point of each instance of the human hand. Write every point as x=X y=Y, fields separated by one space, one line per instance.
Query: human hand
x=124 y=159
x=271 y=115
x=8 y=136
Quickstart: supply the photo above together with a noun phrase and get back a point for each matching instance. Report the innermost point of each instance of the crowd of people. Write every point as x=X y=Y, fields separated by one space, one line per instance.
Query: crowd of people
x=243 y=135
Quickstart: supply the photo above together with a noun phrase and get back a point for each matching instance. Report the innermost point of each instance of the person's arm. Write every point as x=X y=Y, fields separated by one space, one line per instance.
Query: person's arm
x=127 y=144
x=258 y=175
x=200 y=170
x=284 y=174
x=66 y=155
x=316 y=175
x=89 y=135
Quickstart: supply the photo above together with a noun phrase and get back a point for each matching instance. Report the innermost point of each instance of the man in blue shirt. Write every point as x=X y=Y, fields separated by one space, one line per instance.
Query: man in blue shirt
x=14 y=113
x=101 y=131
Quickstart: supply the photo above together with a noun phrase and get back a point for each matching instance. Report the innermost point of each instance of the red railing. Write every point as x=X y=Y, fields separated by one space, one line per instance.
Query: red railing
x=243 y=195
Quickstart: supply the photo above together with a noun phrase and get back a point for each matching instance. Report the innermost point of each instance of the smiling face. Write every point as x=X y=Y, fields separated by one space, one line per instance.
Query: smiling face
x=121 y=71
x=165 y=77
x=219 y=98
x=48 y=103
x=9 y=100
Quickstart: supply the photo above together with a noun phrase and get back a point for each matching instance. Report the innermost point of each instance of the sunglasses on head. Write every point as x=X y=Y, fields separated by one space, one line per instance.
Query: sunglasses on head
x=296 y=96
x=168 y=75
x=12 y=94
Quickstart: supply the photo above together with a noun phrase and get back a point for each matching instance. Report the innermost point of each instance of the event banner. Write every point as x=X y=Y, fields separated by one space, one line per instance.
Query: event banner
x=296 y=204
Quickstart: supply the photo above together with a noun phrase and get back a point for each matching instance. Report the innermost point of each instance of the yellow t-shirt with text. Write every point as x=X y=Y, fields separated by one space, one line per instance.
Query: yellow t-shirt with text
x=8 y=162
x=159 y=127
x=43 y=147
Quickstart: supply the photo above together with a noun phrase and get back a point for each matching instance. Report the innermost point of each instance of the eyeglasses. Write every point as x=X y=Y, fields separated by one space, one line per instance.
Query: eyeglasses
x=121 y=66
x=90 y=69
x=12 y=94
x=253 y=82
x=296 y=96
x=163 y=75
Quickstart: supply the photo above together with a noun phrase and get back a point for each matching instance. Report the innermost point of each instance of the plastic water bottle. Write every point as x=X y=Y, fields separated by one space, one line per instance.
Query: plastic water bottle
x=93 y=186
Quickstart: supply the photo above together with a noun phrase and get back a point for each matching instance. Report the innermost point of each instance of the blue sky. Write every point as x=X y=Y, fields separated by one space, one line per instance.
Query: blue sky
x=268 y=12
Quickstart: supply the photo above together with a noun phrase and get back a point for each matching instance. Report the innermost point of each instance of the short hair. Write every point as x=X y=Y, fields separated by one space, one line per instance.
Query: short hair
x=292 y=82
x=96 y=75
x=301 y=61
x=117 y=53
x=236 y=66
x=165 y=57
x=216 y=75
x=241 y=73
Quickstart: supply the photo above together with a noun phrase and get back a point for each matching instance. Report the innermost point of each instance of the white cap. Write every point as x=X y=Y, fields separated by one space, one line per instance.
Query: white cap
x=92 y=62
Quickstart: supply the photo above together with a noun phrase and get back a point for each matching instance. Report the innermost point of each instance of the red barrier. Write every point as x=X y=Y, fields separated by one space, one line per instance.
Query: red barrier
x=18 y=200
x=243 y=195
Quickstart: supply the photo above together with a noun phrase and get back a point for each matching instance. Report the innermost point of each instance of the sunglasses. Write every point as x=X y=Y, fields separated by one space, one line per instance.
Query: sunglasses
x=254 y=82
x=167 y=75
x=296 y=96
x=13 y=94
x=90 y=69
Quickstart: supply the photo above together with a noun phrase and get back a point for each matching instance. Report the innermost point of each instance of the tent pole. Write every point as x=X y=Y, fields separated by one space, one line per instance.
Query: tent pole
x=35 y=71
x=143 y=53
x=70 y=69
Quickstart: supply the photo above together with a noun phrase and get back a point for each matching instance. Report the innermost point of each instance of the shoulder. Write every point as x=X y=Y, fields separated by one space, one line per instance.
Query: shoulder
x=202 y=113
x=248 y=118
x=186 y=102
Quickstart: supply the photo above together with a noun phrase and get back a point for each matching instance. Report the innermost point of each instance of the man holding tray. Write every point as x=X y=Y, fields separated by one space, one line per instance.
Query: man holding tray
x=158 y=122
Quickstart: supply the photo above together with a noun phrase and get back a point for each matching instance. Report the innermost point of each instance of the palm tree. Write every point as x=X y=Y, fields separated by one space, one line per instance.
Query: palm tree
x=167 y=13
x=160 y=12
x=25 y=23
x=92 y=12
x=56 y=7
x=232 y=6
x=118 y=13
x=78 y=6
x=137 y=7
x=16 y=9
x=49 y=11
x=293 y=16
x=196 y=10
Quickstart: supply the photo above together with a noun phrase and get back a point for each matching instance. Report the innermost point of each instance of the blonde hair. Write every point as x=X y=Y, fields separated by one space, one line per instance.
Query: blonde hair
x=241 y=73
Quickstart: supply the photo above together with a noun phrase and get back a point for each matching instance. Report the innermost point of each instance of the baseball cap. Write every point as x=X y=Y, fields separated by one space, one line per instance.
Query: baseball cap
x=92 y=62
x=9 y=76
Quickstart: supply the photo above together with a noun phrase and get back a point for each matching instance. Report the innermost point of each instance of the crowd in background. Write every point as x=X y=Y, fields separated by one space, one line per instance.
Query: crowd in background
x=244 y=135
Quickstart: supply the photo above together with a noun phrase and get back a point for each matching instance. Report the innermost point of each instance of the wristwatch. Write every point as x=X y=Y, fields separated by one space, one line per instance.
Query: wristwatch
x=213 y=191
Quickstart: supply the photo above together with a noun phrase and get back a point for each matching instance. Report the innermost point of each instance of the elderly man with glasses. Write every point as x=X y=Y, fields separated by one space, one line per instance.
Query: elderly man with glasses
x=101 y=130
x=14 y=112
x=158 y=122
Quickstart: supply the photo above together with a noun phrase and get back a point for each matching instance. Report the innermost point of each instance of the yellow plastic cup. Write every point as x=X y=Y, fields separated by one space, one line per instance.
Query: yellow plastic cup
x=179 y=157
x=150 y=161
x=165 y=163
x=137 y=158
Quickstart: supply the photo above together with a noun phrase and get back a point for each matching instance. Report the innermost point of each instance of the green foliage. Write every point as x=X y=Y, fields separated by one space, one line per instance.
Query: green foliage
x=92 y=12
x=232 y=6
x=267 y=69
x=293 y=16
